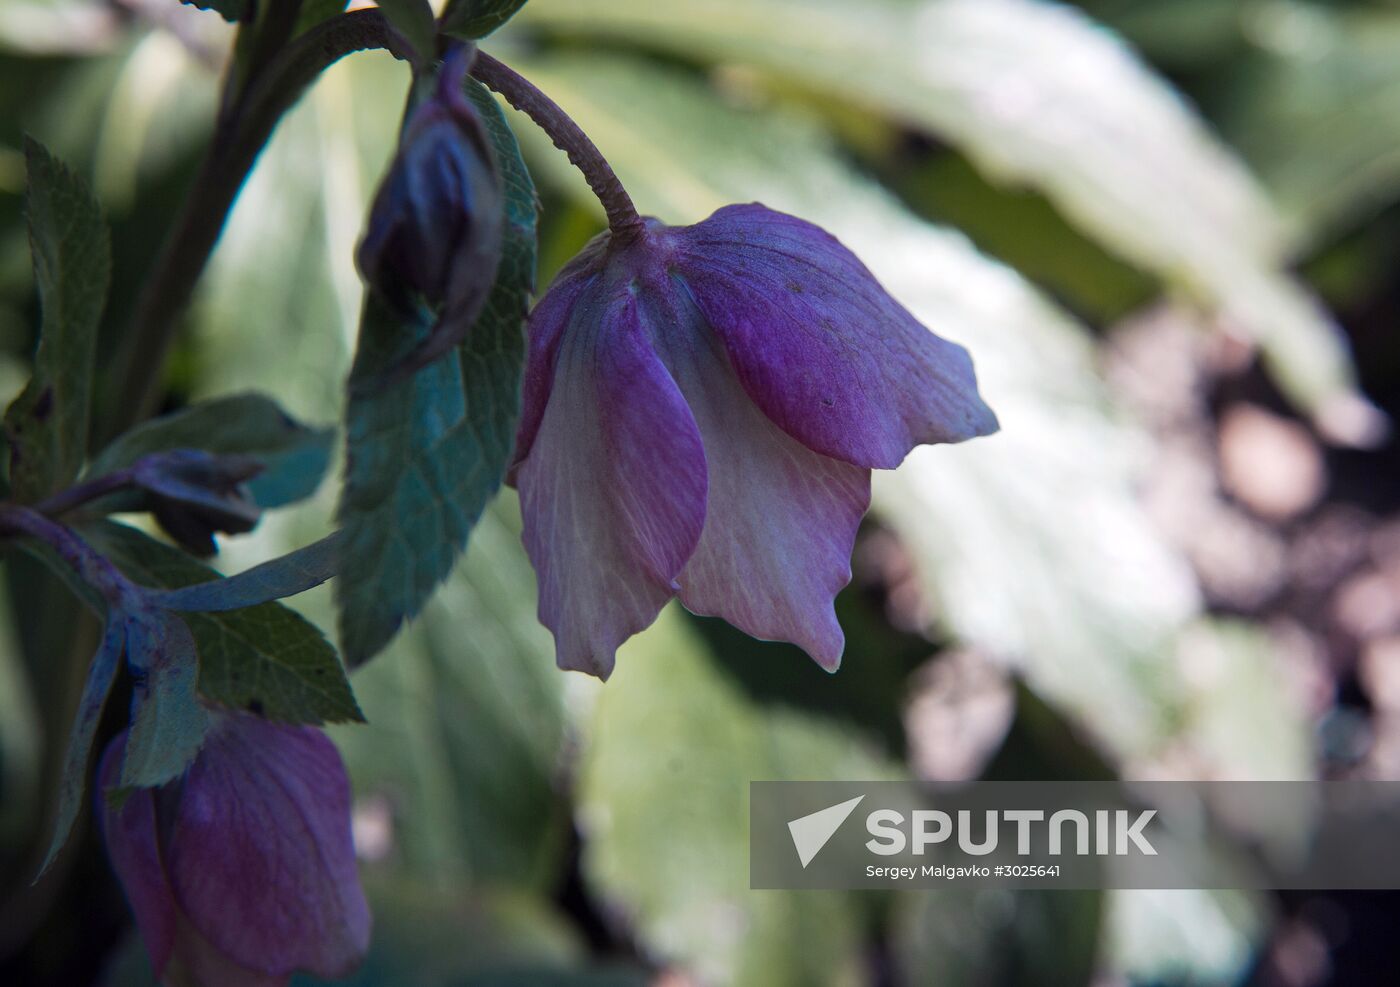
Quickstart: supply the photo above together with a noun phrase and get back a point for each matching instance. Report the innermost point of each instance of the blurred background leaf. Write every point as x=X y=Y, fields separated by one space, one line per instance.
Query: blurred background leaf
x=1108 y=141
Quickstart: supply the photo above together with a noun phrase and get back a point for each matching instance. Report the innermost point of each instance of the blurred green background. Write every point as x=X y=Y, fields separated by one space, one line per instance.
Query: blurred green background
x=1158 y=225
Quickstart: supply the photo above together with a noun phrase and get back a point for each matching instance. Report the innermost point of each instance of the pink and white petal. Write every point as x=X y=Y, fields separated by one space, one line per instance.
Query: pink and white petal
x=781 y=520
x=613 y=490
x=133 y=846
x=548 y=320
x=260 y=854
x=820 y=345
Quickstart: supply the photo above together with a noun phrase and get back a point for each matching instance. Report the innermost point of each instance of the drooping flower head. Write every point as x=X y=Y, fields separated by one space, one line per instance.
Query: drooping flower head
x=434 y=234
x=242 y=872
x=703 y=406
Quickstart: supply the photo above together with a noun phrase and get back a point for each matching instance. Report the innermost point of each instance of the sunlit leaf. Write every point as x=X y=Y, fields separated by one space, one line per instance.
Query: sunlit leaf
x=467 y=727
x=1319 y=120
x=663 y=808
x=1183 y=936
x=47 y=425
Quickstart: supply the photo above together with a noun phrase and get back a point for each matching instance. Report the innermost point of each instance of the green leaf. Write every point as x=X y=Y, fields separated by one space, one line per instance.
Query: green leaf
x=663 y=806
x=96 y=687
x=1319 y=122
x=1110 y=143
x=47 y=425
x=414 y=20
x=294 y=455
x=21 y=746
x=232 y=11
x=167 y=721
x=314 y=12
x=472 y=19
x=427 y=454
x=1013 y=939
x=1185 y=936
x=267 y=658
x=1022 y=539
x=467 y=734
x=432 y=936
x=287 y=575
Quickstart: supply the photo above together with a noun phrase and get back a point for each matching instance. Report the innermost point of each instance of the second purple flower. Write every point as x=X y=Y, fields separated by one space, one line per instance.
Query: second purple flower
x=703 y=406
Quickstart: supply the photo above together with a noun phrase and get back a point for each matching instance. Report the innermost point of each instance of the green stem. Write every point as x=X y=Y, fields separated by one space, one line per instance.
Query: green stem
x=239 y=138
x=568 y=136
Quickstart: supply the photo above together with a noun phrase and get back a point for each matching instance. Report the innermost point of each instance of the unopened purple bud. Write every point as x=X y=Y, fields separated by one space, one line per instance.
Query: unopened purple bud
x=243 y=871
x=194 y=494
x=435 y=228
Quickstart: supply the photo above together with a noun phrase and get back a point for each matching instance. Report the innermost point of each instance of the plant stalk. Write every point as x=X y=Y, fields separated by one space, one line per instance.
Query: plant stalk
x=522 y=94
x=241 y=133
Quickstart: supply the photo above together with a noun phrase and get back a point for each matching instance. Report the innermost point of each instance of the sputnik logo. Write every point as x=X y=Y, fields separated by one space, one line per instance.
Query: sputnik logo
x=812 y=832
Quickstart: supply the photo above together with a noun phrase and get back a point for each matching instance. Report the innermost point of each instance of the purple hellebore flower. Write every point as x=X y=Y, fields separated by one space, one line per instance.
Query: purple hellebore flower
x=703 y=406
x=243 y=872
x=435 y=228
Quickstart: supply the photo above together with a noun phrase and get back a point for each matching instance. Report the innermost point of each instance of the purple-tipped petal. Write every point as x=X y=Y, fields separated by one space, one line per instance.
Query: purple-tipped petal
x=613 y=488
x=548 y=320
x=820 y=346
x=133 y=844
x=781 y=519
x=260 y=856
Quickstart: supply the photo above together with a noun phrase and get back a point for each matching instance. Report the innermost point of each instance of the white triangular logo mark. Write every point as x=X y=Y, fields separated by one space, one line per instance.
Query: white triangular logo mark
x=811 y=833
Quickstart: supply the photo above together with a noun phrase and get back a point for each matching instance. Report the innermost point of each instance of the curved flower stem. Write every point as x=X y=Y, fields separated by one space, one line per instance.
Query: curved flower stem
x=87 y=564
x=84 y=493
x=521 y=93
x=242 y=131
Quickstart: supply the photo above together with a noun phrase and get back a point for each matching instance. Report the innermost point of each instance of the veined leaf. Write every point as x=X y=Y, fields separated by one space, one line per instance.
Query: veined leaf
x=1109 y=142
x=425 y=455
x=473 y=19
x=414 y=20
x=267 y=658
x=1319 y=121
x=474 y=674
x=47 y=425
x=73 y=784
x=294 y=456
x=167 y=721
x=287 y=575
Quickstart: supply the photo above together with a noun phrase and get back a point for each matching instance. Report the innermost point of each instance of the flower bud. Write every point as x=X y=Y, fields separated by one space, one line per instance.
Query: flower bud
x=242 y=872
x=194 y=494
x=434 y=237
